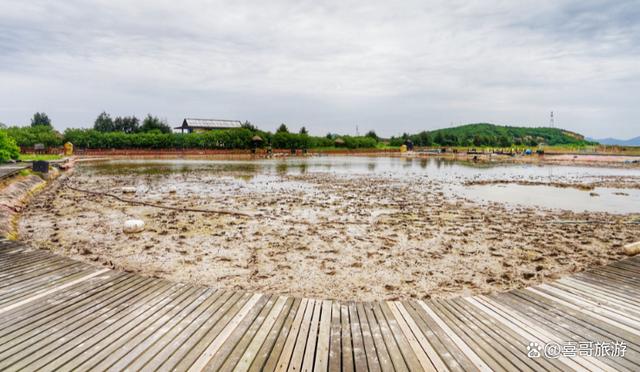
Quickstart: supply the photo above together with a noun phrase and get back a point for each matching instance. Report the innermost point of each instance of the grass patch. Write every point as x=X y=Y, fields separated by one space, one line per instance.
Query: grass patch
x=35 y=157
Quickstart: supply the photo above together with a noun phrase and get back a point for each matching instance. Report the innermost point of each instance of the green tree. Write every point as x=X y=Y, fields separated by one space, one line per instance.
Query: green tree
x=504 y=141
x=372 y=134
x=247 y=125
x=103 y=123
x=126 y=124
x=40 y=119
x=282 y=128
x=153 y=123
x=8 y=148
x=303 y=130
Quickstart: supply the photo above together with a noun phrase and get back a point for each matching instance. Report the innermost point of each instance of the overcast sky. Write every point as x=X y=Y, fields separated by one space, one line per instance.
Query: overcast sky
x=328 y=65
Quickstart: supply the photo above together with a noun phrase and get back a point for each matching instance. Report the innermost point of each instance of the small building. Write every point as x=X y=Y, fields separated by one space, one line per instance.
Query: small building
x=203 y=125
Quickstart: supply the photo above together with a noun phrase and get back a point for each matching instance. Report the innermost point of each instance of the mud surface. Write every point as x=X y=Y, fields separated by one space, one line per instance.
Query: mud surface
x=338 y=235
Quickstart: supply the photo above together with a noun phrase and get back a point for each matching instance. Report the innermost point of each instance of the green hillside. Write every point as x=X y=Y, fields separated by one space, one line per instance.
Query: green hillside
x=484 y=134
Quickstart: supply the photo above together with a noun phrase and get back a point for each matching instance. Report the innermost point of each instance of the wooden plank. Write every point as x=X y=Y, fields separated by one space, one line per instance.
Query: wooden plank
x=36 y=282
x=324 y=337
x=369 y=346
x=24 y=336
x=447 y=350
x=183 y=359
x=359 y=354
x=382 y=354
x=206 y=356
x=89 y=348
x=563 y=326
x=272 y=354
x=312 y=338
x=135 y=353
x=592 y=300
x=20 y=318
x=513 y=344
x=526 y=329
x=18 y=270
x=290 y=342
x=234 y=346
x=597 y=313
x=484 y=347
x=383 y=332
x=335 y=339
x=606 y=329
x=50 y=291
x=597 y=296
x=52 y=316
x=256 y=343
x=85 y=323
x=610 y=294
x=346 y=342
x=473 y=357
x=297 y=356
x=170 y=350
x=426 y=354
x=397 y=343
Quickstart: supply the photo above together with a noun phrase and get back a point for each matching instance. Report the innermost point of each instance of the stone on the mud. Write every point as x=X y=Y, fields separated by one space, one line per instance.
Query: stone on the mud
x=632 y=249
x=128 y=190
x=528 y=275
x=133 y=226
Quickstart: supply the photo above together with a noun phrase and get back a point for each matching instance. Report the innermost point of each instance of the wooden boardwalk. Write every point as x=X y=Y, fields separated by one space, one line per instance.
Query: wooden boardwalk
x=8 y=170
x=60 y=314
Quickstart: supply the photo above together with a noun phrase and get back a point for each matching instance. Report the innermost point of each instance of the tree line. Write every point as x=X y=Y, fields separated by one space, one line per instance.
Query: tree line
x=128 y=132
x=484 y=134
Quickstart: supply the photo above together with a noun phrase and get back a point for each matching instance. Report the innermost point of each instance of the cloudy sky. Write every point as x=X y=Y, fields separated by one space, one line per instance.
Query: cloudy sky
x=328 y=65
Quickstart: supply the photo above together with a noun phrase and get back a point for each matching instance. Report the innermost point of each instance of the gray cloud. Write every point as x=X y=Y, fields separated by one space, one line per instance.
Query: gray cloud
x=330 y=66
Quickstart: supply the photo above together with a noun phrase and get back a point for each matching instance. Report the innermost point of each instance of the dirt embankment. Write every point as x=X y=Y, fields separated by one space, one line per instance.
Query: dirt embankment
x=14 y=194
x=355 y=237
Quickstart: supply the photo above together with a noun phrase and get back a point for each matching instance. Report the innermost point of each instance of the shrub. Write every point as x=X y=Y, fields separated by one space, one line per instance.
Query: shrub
x=29 y=136
x=8 y=147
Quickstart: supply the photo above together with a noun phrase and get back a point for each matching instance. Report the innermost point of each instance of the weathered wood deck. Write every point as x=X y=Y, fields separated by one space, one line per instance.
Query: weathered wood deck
x=60 y=314
x=8 y=170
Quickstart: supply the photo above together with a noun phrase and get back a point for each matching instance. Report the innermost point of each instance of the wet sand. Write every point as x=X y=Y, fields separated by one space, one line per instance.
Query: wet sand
x=322 y=235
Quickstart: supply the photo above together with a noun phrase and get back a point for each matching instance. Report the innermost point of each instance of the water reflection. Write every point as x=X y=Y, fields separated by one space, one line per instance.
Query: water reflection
x=453 y=174
x=446 y=169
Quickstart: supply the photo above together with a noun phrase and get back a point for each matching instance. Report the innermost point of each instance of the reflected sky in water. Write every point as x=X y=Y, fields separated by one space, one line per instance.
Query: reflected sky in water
x=452 y=173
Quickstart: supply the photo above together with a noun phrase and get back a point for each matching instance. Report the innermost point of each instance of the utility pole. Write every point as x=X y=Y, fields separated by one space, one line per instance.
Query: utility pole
x=552 y=123
x=357 y=131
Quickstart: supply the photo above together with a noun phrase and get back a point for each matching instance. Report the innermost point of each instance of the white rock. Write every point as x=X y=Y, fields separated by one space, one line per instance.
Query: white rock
x=128 y=190
x=133 y=226
x=632 y=249
x=173 y=190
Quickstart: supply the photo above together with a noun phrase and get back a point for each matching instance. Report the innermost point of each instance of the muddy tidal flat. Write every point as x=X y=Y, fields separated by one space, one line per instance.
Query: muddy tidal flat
x=341 y=228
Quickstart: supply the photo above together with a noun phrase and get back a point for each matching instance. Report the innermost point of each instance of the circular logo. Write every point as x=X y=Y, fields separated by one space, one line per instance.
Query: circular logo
x=552 y=350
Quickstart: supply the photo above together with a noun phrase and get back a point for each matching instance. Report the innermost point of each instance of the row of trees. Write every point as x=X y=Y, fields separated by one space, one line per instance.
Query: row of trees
x=130 y=124
x=241 y=138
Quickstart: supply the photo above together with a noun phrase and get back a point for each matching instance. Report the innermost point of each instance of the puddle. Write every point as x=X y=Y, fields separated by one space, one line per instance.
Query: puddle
x=601 y=199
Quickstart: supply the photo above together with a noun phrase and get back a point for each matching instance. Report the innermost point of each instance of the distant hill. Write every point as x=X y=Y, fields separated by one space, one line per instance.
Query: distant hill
x=617 y=142
x=486 y=134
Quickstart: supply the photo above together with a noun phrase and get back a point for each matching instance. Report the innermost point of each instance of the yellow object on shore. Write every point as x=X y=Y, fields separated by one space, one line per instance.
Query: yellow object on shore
x=403 y=148
x=68 y=149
